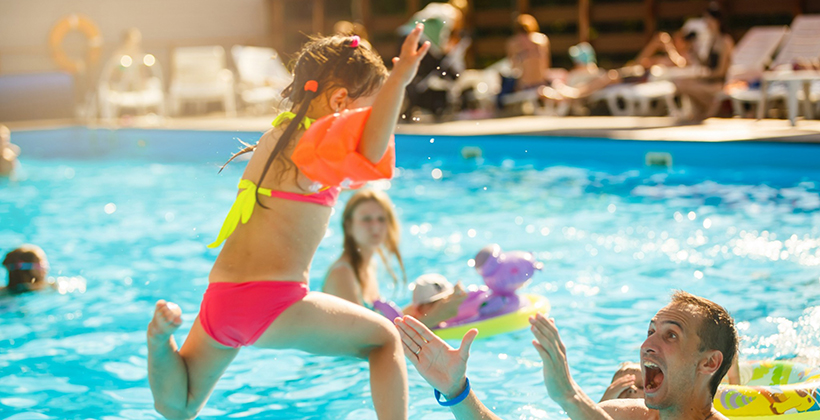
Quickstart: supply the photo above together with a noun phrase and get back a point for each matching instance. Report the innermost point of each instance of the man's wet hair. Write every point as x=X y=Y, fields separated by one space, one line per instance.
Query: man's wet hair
x=716 y=331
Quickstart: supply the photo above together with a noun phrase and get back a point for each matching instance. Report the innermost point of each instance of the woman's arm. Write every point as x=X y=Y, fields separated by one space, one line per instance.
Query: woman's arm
x=442 y=366
x=388 y=102
x=725 y=56
x=545 y=50
x=341 y=282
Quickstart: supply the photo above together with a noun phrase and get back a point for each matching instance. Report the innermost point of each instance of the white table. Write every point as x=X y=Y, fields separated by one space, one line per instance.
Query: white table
x=793 y=80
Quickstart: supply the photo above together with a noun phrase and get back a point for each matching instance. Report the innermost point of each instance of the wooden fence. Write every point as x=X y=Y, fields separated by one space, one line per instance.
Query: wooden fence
x=617 y=29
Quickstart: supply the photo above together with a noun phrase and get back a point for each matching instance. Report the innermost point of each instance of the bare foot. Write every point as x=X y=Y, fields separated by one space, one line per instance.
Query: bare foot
x=167 y=319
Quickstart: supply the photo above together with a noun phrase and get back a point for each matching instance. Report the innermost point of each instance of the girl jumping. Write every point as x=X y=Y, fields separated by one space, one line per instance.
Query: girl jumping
x=261 y=298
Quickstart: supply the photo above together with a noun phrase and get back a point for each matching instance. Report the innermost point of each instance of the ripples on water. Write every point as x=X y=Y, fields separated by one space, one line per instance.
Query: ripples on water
x=615 y=242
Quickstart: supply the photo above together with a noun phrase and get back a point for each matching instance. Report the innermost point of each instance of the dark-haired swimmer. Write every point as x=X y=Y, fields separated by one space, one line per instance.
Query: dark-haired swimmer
x=627 y=382
x=689 y=347
x=259 y=297
x=28 y=270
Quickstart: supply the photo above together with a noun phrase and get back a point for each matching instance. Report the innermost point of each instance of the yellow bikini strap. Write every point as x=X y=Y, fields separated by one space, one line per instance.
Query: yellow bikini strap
x=240 y=211
x=287 y=116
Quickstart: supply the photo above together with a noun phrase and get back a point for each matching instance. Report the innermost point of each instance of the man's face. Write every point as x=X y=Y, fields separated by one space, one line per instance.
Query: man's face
x=669 y=356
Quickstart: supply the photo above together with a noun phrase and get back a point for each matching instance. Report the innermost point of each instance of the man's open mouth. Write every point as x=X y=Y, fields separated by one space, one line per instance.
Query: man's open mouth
x=653 y=377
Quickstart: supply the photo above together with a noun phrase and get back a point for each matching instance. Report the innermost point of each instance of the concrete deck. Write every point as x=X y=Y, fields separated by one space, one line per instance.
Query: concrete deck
x=625 y=128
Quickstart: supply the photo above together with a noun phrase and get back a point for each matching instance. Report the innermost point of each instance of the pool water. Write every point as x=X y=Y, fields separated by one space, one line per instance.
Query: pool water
x=131 y=214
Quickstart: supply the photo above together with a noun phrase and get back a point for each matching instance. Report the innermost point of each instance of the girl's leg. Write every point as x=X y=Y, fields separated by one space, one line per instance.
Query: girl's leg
x=181 y=381
x=327 y=325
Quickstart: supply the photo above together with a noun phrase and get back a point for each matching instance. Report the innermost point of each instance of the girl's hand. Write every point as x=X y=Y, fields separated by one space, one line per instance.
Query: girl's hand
x=440 y=365
x=406 y=64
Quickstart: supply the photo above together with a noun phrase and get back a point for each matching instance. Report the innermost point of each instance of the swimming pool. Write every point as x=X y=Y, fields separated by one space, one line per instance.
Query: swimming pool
x=132 y=210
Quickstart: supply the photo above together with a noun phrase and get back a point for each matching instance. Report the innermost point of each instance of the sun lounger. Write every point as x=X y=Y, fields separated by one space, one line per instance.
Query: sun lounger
x=262 y=75
x=803 y=41
x=200 y=76
x=751 y=57
x=136 y=86
x=639 y=99
x=800 y=44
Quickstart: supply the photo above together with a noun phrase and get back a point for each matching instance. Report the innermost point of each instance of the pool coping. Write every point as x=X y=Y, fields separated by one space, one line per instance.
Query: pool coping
x=615 y=128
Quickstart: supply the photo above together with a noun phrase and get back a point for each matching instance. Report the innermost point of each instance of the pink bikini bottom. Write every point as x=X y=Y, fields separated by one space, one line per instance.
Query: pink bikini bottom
x=236 y=314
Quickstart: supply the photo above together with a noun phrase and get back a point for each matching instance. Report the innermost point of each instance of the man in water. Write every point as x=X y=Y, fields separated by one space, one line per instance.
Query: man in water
x=689 y=347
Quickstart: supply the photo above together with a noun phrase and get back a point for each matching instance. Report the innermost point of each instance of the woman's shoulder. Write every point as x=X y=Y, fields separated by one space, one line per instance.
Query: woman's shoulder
x=341 y=270
x=341 y=280
x=539 y=38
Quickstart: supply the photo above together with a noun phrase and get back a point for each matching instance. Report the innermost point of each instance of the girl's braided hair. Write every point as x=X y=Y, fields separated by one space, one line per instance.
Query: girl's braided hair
x=324 y=63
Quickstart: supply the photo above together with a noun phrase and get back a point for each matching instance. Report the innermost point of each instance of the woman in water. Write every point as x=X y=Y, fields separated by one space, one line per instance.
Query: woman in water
x=370 y=227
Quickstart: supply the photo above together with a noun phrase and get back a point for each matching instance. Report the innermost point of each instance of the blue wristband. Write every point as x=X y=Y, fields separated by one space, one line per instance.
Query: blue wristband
x=459 y=398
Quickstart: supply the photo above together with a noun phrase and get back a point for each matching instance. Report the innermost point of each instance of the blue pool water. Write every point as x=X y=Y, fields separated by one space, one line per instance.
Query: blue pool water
x=131 y=211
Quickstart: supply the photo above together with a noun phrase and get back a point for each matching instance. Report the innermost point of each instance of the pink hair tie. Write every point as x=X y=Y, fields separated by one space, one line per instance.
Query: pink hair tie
x=354 y=41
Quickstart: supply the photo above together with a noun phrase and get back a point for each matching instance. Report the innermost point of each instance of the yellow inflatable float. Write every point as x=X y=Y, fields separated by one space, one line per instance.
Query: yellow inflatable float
x=513 y=321
x=777 y=390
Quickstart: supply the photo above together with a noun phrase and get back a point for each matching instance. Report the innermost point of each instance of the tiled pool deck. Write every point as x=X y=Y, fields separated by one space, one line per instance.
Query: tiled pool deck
x=632 y=128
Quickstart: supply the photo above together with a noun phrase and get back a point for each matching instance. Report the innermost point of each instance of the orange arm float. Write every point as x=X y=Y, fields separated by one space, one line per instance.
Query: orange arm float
x=327 y=152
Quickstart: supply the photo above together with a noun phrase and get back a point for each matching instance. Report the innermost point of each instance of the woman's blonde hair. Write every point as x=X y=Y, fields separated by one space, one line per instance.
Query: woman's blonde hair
x=391 y=244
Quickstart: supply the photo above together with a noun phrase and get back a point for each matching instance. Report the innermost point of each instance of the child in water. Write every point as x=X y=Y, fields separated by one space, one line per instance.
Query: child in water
x=259 y=298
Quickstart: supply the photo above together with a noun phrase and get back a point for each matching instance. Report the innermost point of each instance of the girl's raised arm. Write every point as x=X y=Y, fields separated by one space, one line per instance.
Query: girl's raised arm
x=388 y=102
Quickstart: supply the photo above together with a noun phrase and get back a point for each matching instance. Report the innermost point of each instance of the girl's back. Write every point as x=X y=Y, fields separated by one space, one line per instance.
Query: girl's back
x=286 y=234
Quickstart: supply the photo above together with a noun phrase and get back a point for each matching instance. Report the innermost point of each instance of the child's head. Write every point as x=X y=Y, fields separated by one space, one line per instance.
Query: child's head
x=634 y=369
x=369 y=222
x=330 y=74
x=429 y=289
x=27 y=267
x=344 y=70
x=582 y=54
x=525 y=24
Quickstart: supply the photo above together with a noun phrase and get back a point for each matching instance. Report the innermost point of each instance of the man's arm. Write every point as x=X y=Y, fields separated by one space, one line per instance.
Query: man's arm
x=563 y=390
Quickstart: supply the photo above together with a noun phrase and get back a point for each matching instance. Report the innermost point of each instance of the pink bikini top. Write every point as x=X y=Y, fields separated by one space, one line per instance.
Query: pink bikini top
x=325 y=197
x=242 y=208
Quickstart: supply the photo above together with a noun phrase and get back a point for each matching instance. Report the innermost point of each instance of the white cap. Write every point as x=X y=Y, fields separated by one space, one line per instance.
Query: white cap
x=430 y=288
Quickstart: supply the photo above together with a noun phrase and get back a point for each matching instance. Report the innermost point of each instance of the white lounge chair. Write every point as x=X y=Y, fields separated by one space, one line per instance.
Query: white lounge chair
x=262 y=75
x=200 y=76
x=800 y=44
x=641 y=99
x=803 y=41
x=133 y=83
x=751 y=57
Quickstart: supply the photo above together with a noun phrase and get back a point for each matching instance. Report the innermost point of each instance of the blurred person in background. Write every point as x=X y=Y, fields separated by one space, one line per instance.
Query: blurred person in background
x=125 y=71
x=703 y=91
x=28 y=270
x=8 y=152
x=444 y=29
x=528 y=52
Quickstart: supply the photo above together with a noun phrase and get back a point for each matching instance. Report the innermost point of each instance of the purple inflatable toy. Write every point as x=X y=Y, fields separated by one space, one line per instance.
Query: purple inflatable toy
x=503 y=273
